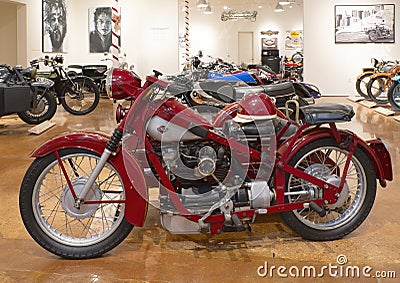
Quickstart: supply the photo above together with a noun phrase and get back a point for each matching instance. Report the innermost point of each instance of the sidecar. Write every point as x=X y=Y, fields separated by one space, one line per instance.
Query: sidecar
x=14 y=98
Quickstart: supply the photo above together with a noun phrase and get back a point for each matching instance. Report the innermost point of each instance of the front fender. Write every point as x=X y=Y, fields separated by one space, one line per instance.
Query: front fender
x=379 y=75
x=136 y=206
x=375 y=150
x=369 y=72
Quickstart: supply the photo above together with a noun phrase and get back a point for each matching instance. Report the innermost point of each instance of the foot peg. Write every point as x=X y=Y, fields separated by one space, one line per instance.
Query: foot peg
x=320 y=210
x=236 y=227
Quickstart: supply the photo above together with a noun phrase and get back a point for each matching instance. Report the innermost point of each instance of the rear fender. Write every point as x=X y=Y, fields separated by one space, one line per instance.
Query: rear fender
x=379 y=75
x=136 y=205
x=373 y=149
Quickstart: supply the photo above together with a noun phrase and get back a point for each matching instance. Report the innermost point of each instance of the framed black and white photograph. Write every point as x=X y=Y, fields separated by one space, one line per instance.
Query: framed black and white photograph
x=365 y=23
x=54 y=28
x=100 y=29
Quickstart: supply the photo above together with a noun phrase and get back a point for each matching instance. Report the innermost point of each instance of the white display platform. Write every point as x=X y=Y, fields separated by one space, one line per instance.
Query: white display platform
x=38 y=129
x=385 y=111
x=368 y=103
x=355 y=98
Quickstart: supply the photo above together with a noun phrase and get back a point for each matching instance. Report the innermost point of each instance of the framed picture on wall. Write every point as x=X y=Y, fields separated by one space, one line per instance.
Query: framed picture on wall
x=365 y=23
x=100 y=29
x=54 y=26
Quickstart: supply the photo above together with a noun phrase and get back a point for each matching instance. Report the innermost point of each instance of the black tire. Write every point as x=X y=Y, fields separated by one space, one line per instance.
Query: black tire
x=394 y=95
x=80 y=98
x=48 y=213
x=373 y=35
x=44 y=109
x=362 y=85
x=353 y=205
x=377 y=91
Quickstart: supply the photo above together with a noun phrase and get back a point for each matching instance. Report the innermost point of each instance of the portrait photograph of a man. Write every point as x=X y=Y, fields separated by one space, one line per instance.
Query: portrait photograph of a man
x=100 y=29
x=54 y=25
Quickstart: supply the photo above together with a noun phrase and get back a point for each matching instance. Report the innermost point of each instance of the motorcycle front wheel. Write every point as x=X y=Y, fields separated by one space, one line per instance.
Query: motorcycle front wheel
x=377 y=90
x=361 y=85
x=394 y=95
x=43 y=109
x=49 y=215
x=325 y=160
x=373 y=36
x=81 y=97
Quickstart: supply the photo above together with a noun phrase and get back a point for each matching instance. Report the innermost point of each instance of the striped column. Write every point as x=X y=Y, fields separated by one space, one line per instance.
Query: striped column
x=116 y=32
x=187 y=43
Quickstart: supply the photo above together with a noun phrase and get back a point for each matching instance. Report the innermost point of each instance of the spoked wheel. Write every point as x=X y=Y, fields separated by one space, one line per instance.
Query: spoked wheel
x=361 y=85
x=81 y=97
x=394 y=95
x=325 y=160
x=50 y=216
x=42 y=109
x=373 y=36
x=377 y=90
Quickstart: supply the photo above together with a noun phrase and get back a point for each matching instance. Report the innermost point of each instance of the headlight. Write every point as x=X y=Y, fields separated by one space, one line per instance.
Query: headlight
x=109 y=82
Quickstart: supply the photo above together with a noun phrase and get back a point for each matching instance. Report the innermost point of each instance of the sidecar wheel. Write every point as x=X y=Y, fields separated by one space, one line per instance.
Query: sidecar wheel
x=49 y=215
x=325 y=160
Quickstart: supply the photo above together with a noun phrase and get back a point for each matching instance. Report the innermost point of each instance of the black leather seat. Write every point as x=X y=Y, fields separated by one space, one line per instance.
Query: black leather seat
x=326 y=113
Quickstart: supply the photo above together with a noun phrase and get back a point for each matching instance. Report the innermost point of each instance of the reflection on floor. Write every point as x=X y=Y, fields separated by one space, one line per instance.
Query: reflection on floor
x=151 y=254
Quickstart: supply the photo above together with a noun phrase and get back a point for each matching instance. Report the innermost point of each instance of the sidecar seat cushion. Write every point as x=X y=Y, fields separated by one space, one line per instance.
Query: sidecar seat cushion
x=326 y=113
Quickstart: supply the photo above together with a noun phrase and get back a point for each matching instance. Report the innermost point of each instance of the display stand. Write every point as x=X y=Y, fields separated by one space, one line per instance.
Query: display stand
x=397 y=118
x=38 y=129
x=368 y=103
x=385 y=111
x=355 y=98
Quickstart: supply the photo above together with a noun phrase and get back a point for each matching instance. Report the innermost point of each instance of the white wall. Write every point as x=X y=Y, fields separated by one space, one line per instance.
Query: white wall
x=8 y=32
x=334 y=67
x=146 y=47
x=220 y=39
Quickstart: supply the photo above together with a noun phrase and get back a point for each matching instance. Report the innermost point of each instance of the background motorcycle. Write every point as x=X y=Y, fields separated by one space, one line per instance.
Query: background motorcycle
x=364 y=78
x=78 y=95
x=378 y=32
x=84 y=192
x=22 y=93
x=379 y=84
x=394 y=93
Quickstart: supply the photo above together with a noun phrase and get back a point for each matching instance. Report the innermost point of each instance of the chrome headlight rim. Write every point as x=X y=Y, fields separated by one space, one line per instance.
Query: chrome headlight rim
x=109 y=82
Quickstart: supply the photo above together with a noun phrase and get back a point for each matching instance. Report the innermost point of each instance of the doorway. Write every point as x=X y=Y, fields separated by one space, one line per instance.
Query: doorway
x=245 y=48
x=13 y=32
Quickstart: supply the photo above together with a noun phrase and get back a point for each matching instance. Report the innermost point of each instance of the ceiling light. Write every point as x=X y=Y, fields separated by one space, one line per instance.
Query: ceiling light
x=201 y=4
x=278 y=8
x=208 y=10
x=284 y=2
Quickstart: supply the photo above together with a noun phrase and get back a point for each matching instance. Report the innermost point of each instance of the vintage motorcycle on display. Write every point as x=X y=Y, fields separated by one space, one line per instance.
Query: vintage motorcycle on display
x=78 y=95
x=23 y=93
x=364 y=78
x=85 y=191
x=379 y=84
x=394 y=93
x=378 y=32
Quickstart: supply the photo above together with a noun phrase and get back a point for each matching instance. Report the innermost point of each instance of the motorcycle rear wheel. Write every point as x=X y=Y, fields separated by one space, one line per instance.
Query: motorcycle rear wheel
x=49 y=215
x=325 y=160
x=361 y=85
x=44 y=109
x=377 y=90
x=80 y=98
x=394 y=95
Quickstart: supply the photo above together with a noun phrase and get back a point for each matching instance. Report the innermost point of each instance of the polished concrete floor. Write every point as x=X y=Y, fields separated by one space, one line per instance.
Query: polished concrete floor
x=151 y=254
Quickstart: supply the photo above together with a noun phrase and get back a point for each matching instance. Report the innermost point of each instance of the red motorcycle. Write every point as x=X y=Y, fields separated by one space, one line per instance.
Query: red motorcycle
x=85 y=191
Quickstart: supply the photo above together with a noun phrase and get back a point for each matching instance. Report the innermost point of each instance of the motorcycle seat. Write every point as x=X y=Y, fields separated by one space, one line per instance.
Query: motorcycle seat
x=220 y=90
x=94 y=70
x=326 y=113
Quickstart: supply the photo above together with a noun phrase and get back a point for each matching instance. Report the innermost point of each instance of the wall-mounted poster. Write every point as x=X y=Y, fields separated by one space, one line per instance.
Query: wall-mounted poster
x=54 y=28
x=294 y=40
x=364 y=23
x=269 y=40
x=100 y=29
